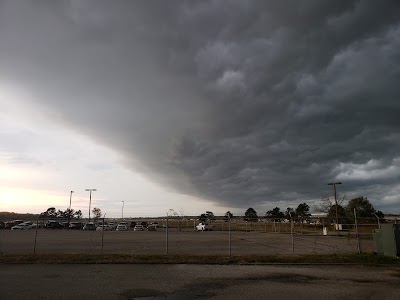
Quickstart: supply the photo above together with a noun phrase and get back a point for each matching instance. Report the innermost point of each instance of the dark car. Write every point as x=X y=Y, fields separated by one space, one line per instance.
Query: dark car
x=2 y=224
x=8 y=225
x=75 y=225
x=54 y=225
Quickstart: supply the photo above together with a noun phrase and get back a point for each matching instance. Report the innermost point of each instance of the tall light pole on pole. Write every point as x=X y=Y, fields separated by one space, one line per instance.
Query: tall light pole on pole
x=90 y=198
x=70 y=199
x=69 y=211
x=336 y=204
x=123 y=203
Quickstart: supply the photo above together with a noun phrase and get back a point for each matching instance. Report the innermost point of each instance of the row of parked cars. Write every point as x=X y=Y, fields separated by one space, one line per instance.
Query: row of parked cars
x=52 y=224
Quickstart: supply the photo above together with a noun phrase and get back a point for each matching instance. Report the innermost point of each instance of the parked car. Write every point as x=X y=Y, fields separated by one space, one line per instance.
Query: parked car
x=38 y=225
x=121 y=227
x=2 y=224
x=104 y=227
x=54 y=225
x=152 y=227
x=204 y=227
x=22 y=226
x=112 y=225
x=75 y=225
x=8 y=225
x=139 y=228
x=89 y=226
x=64 y=225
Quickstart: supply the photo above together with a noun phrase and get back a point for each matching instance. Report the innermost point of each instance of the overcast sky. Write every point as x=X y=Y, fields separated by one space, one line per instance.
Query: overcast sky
x=198 y=105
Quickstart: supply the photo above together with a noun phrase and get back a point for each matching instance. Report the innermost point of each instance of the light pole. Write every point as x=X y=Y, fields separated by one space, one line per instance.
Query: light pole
x=123 y=203
x=69 y=211
x=336 y=204
x=90 y=198
x=70 y=199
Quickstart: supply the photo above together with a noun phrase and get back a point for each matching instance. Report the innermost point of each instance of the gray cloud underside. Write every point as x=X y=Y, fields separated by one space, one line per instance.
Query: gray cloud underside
x=241 y=102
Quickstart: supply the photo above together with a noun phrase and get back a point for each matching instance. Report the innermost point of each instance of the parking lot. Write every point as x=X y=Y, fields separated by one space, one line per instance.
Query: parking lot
x=179 y=242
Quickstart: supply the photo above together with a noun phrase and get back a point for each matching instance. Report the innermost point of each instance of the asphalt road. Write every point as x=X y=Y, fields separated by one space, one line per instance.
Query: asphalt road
x=198 y=282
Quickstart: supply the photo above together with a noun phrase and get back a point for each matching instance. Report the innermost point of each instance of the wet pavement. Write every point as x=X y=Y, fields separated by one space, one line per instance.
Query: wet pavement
x=198 y=282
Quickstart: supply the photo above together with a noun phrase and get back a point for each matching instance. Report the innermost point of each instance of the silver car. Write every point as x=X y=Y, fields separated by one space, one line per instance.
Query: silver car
x=121 y=227
x=22 y=226
x=139 y=228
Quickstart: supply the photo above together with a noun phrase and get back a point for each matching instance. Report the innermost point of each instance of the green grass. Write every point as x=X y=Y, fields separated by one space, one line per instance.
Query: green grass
x=365 y=259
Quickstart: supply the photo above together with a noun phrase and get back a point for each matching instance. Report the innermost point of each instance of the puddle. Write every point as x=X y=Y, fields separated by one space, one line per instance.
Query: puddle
x=196 y=291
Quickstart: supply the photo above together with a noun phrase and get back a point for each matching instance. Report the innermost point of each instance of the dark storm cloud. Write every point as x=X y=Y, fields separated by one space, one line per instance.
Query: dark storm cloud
x=243 y=102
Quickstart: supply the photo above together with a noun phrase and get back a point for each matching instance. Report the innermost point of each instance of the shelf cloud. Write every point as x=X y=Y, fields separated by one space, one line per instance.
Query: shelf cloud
x=244 y=103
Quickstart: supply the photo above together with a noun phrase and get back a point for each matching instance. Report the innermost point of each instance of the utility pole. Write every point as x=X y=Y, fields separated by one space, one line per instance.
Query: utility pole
x=90 y=198
x=123 y=203
x=336 y=204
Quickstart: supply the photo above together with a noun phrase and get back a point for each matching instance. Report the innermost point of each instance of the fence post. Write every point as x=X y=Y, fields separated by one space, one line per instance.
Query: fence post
x=37 y=225
x=166 y=235
x=357 y=234
x=102 y=236
x=291 y=230
x=230 y=239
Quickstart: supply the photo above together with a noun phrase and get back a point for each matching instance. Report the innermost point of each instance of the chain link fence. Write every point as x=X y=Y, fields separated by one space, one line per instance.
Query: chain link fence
x=192 y=237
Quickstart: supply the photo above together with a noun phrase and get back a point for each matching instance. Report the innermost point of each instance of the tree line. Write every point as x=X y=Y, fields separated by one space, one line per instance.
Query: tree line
x=53 y=213
x=363 y=207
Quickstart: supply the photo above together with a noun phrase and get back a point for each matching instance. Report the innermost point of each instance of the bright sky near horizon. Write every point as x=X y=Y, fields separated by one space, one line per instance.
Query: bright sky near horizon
x=194 y=106
x=43 y=162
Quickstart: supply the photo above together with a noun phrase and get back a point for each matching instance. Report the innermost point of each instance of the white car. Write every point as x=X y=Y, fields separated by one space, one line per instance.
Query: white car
x=204 y=227
x=139 y=228
x=121 y=227
x=104 y=227
x=22 y=226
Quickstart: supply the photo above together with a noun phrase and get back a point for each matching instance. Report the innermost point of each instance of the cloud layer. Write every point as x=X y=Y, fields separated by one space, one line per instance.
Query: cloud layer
x=241 y=102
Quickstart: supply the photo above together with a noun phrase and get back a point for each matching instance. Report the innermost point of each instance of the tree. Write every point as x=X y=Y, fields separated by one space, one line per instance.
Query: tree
x=69 y=213
x=251 y=215
x=302 y=211
x=275 y=214
x=210 y=215
x=289 y=213
x=96 y=213
x=327 y=202
x=78 y=214
x=341 y=214
x=49 y=213
x=61 y=214
x=380 y=215
x=203 y=218
x=364 y=208
x=228 y=216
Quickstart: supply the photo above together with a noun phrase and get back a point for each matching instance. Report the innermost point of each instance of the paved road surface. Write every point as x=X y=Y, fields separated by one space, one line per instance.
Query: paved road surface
x=198 y=282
